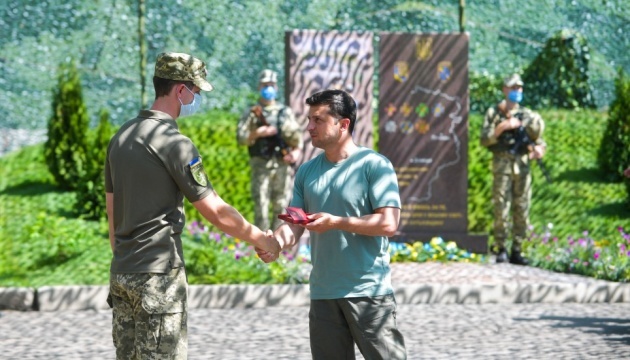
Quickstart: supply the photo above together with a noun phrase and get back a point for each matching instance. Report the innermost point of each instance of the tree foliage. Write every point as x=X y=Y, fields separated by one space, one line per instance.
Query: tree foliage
x=65 y=149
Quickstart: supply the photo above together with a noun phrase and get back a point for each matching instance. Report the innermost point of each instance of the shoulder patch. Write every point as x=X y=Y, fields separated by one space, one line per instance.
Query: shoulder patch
x=198 y=172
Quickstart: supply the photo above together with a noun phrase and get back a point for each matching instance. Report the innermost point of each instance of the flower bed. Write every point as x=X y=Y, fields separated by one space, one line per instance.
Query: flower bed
x=607 y=259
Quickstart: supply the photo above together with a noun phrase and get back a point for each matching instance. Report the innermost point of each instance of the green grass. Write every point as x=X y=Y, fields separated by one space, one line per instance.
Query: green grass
x=43 y=243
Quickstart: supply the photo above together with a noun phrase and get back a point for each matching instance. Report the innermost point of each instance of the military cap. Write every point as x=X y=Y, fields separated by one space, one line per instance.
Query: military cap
x=182 y=67
x=514 y=79
x=268 y=76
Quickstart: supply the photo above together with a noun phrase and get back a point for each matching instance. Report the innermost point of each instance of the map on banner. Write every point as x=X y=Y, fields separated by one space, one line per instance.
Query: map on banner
x=423 y=126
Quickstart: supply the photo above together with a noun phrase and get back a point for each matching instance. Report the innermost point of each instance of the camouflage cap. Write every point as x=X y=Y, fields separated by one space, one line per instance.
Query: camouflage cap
x=268 y=76
x=512 y=80
x=182 y=67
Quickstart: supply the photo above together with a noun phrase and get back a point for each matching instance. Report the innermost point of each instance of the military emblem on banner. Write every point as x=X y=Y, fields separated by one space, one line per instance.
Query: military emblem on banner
x=444 y=70
x=422 y=126
x=422 y=110
x=423 y=48
x=406 y=127
x=401 y=71
x=438 y=110
x=198 y=173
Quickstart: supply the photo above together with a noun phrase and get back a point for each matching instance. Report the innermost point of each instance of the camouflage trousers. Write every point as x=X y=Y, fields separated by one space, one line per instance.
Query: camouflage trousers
x=271 y=185
x=511 y=192
x=150 y=315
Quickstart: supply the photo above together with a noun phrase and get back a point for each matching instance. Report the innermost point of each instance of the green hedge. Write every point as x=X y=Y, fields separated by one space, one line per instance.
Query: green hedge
x=42 y=242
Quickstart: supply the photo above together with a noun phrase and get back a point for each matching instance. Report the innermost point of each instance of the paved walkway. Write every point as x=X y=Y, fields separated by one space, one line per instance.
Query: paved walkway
x=492 y=331
x=595 y=327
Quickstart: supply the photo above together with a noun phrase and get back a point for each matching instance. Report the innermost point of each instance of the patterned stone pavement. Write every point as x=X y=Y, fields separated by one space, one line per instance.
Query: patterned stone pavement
x=435 y=331
x=575 y=325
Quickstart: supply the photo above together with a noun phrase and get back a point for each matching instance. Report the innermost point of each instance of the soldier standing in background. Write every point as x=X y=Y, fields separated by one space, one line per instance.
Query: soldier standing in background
x=274 y=139
x=513 y=134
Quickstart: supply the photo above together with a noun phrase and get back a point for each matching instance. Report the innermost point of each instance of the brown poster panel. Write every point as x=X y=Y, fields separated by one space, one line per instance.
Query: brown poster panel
x=423 y=130
x=320 y=60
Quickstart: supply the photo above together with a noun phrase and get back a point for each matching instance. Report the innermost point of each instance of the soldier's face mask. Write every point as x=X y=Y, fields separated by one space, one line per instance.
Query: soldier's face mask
x=268 y=92
x=189 y=109
x=515 y=96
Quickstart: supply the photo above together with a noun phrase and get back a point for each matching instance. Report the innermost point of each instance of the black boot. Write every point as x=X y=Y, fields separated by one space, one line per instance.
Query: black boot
x=502 y=256
x=517 y=259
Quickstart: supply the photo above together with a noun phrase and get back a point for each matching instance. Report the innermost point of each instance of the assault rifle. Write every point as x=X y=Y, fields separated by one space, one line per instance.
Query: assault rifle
x=521 y=145
x=275 y=144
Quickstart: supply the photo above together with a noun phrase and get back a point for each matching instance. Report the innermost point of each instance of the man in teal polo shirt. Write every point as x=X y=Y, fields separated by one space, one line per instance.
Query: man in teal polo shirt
x=352 y=193
x=150 y=168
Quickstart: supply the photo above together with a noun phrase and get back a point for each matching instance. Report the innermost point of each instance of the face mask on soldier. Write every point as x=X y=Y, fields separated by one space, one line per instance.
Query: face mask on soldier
x=191 y=108
x=268 y=92
x=515 y=96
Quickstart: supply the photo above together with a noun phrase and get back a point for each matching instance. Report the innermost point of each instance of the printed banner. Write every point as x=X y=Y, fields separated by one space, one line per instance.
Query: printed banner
x=423 y=128
x=320 y=60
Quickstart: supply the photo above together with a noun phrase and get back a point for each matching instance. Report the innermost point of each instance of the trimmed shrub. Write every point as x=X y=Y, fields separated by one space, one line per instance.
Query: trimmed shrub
x=65 y=149
x=90 y=202
x=614 y=152
x=558 y=76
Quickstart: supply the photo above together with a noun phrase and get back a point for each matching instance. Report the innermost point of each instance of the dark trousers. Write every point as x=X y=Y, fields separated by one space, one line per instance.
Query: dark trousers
x=336 y=325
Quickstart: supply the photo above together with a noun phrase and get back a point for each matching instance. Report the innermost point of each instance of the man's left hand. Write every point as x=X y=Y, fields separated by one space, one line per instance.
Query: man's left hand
x=292 y=156
x=321 y=222
x=538 y=151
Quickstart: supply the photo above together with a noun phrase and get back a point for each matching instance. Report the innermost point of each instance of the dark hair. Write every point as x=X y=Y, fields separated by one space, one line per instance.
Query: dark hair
x=163 y=86
x=340 y=103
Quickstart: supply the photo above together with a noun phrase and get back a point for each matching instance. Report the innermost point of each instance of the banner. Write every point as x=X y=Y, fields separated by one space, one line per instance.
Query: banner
x=423 y=130
x=320 y=60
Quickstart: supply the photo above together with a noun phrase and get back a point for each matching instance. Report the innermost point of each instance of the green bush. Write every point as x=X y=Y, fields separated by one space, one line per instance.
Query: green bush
x=614 y=152
x=90 y=202
x=66 y=147
x=558 y=76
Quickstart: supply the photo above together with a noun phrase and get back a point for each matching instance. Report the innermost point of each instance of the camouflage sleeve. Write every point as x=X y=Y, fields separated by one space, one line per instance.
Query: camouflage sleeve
x=487 y=129
x=245 y=127
x=535 y=126
x=291 y=131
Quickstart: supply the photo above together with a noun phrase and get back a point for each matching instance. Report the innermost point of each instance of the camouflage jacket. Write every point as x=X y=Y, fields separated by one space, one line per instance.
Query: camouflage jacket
x=532 y=123
x=276 y=115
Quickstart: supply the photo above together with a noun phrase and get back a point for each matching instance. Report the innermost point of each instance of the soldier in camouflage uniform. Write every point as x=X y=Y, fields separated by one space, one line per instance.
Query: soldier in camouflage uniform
x=503 y=127
x=274 y=141
x=150 y=168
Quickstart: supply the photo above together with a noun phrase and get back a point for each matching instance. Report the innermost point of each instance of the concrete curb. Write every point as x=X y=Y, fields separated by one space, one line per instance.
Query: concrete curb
x=75 y=298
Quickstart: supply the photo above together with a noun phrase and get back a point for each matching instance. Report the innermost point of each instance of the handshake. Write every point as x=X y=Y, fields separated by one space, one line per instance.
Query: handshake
x=270 y=246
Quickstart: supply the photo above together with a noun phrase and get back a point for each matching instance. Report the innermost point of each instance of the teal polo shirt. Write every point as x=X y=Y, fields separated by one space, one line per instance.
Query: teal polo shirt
x=347 y=264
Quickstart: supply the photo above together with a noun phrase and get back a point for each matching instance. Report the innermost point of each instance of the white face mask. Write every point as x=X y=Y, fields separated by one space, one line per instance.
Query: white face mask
x=191 y=108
